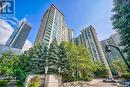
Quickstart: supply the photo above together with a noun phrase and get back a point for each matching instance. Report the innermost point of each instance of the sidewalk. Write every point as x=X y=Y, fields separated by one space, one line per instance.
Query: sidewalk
x=12 y=84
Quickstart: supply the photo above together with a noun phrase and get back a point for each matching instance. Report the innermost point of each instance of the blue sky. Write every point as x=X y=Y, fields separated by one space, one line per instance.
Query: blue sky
x=78 y=14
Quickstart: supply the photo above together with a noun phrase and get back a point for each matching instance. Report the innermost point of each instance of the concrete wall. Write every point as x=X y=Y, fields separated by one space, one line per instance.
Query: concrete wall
x=53 y=80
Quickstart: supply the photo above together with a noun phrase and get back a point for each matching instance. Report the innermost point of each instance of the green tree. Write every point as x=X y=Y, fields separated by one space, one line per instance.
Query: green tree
x=38 y=55
x=85 y=65
x=81 y=65
x=101 y=70
x=11 y=66
x=22 y=69
x=121 y=68
x=53 y=59
x=7 y=62
x=63 y=59
x=121 y=22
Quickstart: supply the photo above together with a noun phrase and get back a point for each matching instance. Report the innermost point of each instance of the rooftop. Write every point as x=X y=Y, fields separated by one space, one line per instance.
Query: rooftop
x=57 y=9
x=89 y=27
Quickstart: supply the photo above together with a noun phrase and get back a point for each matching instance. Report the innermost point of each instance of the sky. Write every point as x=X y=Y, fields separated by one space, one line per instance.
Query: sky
x=78 y=14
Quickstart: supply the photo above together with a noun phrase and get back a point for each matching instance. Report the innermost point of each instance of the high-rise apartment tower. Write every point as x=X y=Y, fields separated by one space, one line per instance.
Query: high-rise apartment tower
x=52 y=26
x=19 y=36
x=88 y=38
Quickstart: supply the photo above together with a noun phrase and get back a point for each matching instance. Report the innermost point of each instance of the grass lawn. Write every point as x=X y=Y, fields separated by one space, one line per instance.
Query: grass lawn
x=3 y=82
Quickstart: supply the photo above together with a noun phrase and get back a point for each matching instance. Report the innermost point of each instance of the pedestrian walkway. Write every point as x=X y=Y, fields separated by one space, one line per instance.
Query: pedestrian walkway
x=100 y=83
x=11 y=84
x=93 y=83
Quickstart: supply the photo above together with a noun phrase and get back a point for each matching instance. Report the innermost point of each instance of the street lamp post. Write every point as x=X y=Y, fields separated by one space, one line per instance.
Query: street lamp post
x=46 y=72
x=108 y=50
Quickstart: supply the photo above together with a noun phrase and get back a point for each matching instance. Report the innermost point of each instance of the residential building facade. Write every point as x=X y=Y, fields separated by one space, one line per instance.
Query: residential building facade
x=52 y=26
x=79 y=40
x=88 y=38
x=114 y=40
x=71 y=35
x=19 y=36
x=65 y=33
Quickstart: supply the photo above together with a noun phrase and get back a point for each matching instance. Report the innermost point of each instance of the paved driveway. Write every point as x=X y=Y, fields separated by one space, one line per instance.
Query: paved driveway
x=99 y=83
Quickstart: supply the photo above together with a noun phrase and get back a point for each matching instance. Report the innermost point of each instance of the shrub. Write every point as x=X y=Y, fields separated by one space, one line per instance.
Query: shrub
x=35 y=82
x=3 y=82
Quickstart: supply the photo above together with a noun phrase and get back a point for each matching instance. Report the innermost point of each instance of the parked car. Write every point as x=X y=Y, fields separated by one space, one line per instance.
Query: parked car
x=109 y=80
x=127 y=82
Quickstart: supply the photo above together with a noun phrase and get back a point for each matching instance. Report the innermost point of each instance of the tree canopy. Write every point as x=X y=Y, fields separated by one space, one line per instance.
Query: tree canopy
x=121 y=68
x=81 y=64
x=121 y=22
x=71 y=61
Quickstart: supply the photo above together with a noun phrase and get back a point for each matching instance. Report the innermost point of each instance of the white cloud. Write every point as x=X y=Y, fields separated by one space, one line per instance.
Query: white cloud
x=27 y=45
x=5 y=31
